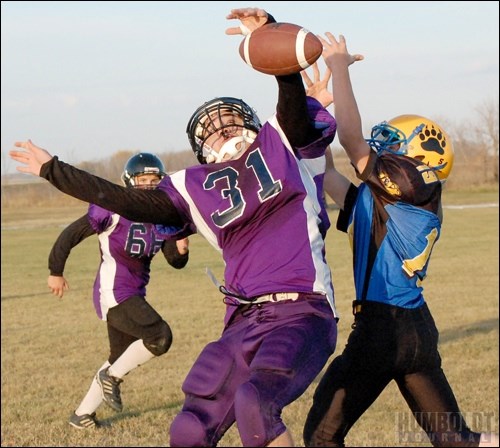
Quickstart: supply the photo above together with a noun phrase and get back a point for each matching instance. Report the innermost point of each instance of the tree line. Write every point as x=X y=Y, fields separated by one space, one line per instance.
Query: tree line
x=476 y=163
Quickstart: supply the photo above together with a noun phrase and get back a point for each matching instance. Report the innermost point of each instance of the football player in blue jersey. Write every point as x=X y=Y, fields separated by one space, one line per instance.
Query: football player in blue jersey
x=393 y=219
x=257 y=198
x=136 y=332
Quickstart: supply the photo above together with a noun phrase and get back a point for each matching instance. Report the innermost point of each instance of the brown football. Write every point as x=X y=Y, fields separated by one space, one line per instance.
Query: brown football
x=280 y=49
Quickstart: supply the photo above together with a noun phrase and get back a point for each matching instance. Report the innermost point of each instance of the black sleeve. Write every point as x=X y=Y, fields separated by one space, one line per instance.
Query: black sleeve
x=172 y=255
x=152 y=206
x=349 y=201
x=291 y=111
x=292 y=108
x=270 y=18
x=72 y=235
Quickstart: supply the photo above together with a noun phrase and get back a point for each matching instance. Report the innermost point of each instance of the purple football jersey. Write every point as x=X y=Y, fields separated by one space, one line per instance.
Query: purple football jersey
x=263 y=212
x=127 y=249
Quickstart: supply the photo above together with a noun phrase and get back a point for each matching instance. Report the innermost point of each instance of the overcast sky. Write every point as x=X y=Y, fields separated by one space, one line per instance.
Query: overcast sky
x=87 y=79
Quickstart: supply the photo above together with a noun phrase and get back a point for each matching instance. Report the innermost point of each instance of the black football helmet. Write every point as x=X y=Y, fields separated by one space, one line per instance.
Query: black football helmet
x=201 y=126
x=142 y=163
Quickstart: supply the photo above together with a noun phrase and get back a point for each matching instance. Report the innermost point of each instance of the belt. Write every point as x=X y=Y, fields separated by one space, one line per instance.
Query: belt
x=276 y=297
x=356 y=306
x=378 y=307
x=381 y=309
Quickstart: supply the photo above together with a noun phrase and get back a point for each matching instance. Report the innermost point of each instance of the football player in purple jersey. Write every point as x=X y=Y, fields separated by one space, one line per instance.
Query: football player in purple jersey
x=257 y=198
x=393 y=219
x=136 y=332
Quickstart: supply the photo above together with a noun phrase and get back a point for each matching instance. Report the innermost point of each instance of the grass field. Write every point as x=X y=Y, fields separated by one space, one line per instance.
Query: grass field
x=51 y=347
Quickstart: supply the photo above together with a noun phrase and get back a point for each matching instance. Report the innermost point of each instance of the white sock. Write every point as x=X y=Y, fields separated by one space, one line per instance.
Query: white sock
x=135 y=355
x=93 y=399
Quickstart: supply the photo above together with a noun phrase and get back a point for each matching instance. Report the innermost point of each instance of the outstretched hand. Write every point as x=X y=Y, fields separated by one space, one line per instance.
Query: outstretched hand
x=32 y=158
x=318 y=89
x=251 y=19
x=333 y=47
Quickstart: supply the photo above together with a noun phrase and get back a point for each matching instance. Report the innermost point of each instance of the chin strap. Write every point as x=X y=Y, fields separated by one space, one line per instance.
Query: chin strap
x=231 y=149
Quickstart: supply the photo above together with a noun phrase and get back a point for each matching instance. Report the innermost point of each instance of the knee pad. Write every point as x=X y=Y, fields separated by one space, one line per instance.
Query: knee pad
x=187 y=430
x=258 y=423
x=162 y=341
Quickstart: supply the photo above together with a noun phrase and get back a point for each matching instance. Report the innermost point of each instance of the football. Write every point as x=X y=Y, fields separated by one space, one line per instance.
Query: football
x=280 y=49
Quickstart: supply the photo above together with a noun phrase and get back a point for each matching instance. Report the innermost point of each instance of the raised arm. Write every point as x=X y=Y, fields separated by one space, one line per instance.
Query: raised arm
x=335 y=183
x=349 y=126
x=291 y=110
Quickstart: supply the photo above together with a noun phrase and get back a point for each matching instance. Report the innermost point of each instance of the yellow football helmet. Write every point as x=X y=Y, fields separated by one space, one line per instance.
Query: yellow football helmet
x=417 y=137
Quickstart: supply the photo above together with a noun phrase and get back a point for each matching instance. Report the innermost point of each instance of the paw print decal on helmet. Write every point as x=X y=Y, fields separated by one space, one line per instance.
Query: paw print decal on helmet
x=433 y=139
x=426 y=141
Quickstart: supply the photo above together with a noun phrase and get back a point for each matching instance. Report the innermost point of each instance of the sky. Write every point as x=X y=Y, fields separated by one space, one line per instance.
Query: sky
x=87 y=79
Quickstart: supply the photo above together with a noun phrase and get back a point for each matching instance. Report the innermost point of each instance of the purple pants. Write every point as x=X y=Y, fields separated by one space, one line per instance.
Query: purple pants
x=265 y=359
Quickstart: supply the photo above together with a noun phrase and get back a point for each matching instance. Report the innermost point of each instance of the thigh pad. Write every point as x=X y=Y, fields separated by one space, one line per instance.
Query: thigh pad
x=209 y=372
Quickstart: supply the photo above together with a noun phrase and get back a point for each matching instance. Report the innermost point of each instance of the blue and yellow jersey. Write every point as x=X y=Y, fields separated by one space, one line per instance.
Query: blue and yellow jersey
x=393 y=222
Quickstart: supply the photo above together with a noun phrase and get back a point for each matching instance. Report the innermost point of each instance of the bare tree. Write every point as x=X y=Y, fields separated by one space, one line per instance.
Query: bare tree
x=487 y=131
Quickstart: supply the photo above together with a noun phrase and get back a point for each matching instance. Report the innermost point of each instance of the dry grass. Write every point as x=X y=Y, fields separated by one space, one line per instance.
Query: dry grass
x=52 y=347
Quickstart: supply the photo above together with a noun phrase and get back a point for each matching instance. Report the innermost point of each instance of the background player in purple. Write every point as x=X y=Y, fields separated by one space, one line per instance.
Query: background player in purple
x=137 y=333
x=393 y=220
x=257 y=198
